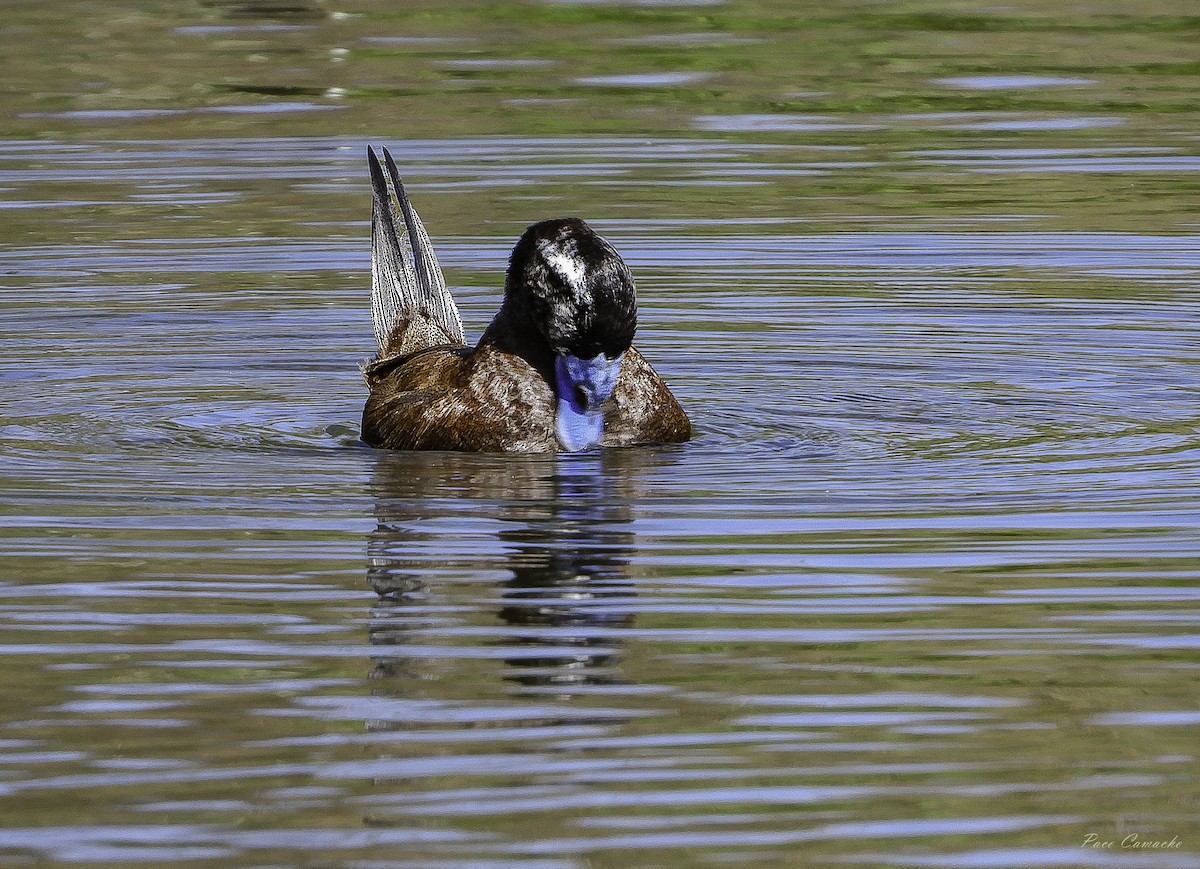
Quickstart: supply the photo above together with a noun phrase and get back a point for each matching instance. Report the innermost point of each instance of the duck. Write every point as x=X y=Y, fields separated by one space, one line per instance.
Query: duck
x=554 y=371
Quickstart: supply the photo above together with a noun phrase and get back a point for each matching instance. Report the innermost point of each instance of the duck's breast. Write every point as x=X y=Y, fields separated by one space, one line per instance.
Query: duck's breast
x=642 y=409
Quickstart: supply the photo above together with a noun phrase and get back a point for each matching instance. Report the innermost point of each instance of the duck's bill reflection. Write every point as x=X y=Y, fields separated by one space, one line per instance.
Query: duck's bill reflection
x=583 y=387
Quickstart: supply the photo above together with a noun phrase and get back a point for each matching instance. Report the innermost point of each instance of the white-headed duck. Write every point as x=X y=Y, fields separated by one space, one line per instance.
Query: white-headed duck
x=555 y=370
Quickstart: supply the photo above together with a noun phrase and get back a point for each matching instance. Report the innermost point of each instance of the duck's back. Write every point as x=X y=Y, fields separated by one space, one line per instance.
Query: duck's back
x=456 y=398
x=429 y=391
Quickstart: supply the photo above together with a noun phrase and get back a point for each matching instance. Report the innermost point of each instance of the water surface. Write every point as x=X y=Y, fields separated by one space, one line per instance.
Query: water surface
x=922 y=592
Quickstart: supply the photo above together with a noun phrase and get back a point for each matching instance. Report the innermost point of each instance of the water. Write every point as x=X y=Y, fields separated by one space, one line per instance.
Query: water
x=922 y=592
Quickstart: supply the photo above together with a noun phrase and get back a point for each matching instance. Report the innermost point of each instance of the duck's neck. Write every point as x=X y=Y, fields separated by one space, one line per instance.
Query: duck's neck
x=512 y=331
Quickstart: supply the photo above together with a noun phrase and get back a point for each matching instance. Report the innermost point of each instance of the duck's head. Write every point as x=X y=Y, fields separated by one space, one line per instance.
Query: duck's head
x=579 y=296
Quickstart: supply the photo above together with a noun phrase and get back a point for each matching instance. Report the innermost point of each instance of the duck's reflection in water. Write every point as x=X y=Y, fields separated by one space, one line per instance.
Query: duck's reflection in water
x=563 y=542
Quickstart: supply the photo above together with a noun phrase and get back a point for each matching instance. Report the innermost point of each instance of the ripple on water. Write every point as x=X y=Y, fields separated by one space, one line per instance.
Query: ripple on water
x=933 y=546
x=1013 y=82
x=648 y=79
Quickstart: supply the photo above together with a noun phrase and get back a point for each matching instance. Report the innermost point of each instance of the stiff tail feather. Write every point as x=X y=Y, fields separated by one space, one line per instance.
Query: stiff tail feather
x=410 y=305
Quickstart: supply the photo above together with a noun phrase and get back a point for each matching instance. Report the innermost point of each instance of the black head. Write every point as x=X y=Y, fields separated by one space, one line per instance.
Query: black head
x=575 y=288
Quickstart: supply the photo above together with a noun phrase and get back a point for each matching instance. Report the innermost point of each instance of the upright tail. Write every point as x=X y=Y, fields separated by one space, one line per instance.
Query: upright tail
x=410 y=304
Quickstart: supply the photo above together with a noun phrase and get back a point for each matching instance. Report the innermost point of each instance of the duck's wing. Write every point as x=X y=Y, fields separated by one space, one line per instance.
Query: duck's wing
x=410 y=304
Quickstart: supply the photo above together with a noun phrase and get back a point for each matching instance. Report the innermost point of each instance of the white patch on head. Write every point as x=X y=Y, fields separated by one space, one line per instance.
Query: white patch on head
x=566 y=263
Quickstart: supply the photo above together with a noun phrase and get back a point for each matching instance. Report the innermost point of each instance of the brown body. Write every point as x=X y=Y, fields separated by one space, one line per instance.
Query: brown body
x=494 y=400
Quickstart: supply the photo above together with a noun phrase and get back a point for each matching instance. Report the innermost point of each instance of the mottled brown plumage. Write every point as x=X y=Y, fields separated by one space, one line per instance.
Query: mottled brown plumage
x=568 y=294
